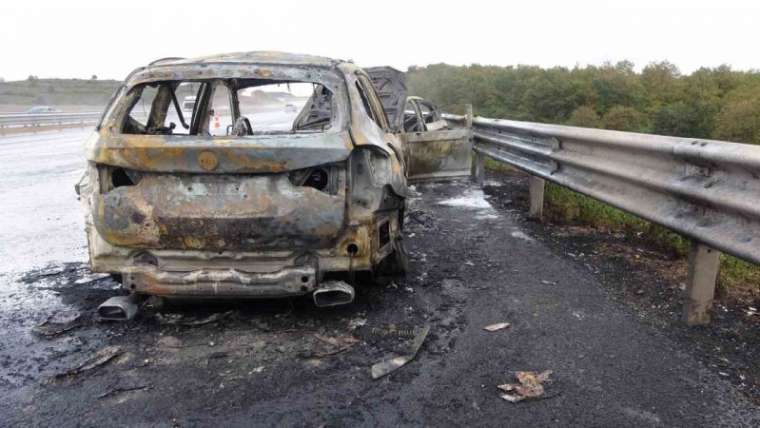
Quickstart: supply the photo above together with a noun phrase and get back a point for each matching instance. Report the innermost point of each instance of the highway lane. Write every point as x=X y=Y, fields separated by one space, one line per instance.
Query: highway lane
x=41 y=220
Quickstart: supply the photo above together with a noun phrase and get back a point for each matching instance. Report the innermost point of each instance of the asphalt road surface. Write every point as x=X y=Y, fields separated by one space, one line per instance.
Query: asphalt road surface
x=285 y=363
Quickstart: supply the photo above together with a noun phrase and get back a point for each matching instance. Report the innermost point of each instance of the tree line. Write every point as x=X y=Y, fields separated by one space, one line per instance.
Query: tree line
x=717 y=103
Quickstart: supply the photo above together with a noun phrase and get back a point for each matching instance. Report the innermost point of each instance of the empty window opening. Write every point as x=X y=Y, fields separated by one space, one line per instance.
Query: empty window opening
x=229 y=107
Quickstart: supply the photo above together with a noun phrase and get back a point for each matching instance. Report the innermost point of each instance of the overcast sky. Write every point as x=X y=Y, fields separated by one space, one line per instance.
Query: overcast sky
x=46 y=39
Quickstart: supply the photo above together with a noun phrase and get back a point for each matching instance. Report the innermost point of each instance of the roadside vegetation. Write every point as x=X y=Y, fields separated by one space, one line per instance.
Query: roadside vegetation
x=717 y=103
x=57 y=92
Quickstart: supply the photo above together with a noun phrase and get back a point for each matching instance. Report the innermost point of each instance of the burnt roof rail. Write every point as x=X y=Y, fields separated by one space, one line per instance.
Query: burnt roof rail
x=706 y=190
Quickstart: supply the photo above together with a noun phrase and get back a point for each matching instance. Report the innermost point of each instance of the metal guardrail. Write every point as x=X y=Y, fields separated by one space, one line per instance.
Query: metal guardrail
x=704 y=189
x=20 y=120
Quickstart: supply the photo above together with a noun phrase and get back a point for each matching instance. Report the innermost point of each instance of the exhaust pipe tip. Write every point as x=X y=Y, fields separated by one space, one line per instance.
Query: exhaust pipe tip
x=333 y=293
x=118 y=308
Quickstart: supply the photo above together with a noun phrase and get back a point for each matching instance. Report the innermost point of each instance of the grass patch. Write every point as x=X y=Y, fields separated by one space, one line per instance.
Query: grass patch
x=738 y=277
x=563 y=206
x=495 y=165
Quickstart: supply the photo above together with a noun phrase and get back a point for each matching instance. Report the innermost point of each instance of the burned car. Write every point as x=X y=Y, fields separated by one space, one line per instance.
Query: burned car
x=244 y=196
x=433 y=148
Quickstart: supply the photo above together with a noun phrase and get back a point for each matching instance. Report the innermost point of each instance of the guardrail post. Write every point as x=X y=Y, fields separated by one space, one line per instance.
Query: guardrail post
x=700 y=286
x=536 y=187
x=477 y=169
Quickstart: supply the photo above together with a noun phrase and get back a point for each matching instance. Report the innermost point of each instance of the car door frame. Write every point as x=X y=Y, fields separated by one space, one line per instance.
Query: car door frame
x=437 y=154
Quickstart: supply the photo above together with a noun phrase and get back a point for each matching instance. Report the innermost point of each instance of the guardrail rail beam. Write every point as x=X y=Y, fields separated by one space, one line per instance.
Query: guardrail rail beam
x=706 y=190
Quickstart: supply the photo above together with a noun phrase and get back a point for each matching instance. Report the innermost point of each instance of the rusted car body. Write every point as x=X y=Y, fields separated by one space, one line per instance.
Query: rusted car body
x=433 y=149
x=237 y=211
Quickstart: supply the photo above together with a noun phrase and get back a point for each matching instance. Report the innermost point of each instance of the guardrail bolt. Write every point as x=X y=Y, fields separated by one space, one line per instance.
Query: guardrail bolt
x=536 y=187
x=700 y=286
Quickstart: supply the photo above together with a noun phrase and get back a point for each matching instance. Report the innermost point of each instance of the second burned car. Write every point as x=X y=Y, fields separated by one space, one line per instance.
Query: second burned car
x=244 y=195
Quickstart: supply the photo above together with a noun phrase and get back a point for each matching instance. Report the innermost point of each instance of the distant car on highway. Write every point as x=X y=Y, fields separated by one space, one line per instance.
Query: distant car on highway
x=188 y=103
x=42 y=109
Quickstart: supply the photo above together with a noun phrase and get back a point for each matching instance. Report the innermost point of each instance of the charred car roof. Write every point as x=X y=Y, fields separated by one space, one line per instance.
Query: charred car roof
x=222 y=65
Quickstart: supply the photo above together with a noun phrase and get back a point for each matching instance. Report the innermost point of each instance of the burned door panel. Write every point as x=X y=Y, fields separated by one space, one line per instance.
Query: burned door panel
x=433 y=149
x=438 y=154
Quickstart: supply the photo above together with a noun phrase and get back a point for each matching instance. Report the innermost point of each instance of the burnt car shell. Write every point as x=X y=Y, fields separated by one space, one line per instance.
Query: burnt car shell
x=198 y=215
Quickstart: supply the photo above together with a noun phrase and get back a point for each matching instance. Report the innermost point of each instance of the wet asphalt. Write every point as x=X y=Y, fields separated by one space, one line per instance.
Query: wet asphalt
x=287 y=363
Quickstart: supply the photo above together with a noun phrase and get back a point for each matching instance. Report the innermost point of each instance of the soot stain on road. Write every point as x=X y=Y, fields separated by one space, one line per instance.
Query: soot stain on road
x=284 y=362
x=258 y=351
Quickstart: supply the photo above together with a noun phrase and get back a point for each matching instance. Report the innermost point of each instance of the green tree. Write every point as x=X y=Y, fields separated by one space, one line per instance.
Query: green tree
x=585 y=116
x=622 y=118
x=661 y=84
x=739 y=119
x=682 y=119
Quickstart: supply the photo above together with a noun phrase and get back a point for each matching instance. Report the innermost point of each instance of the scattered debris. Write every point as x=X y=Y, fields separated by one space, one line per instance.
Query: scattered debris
x=357 y=322
x=337 y=341
x=521 y=235
x=217 y=355
x=392 y=330
x=121 y=389
x=545 y=282
x=338 y=344
x=496 y=327
x=100 y=358
x=258 y=369
x=390 y=365
x=91 y=278
x=530 y=386
x=177 y=319
x=58 y=323
x=751 y=311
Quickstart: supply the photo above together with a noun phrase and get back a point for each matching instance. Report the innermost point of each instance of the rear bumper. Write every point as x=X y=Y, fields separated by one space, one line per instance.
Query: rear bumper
x=236 y=274
x=229 y=283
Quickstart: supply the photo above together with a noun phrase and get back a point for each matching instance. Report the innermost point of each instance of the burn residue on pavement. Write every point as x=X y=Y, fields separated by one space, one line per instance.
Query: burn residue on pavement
x=284 y=362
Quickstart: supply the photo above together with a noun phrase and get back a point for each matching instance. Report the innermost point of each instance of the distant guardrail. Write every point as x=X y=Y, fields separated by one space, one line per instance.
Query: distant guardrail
x=706 y=190
x=36 y=120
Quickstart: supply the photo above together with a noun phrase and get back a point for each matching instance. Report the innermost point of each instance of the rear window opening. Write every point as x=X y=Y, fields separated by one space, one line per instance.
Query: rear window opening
x=229 y=108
